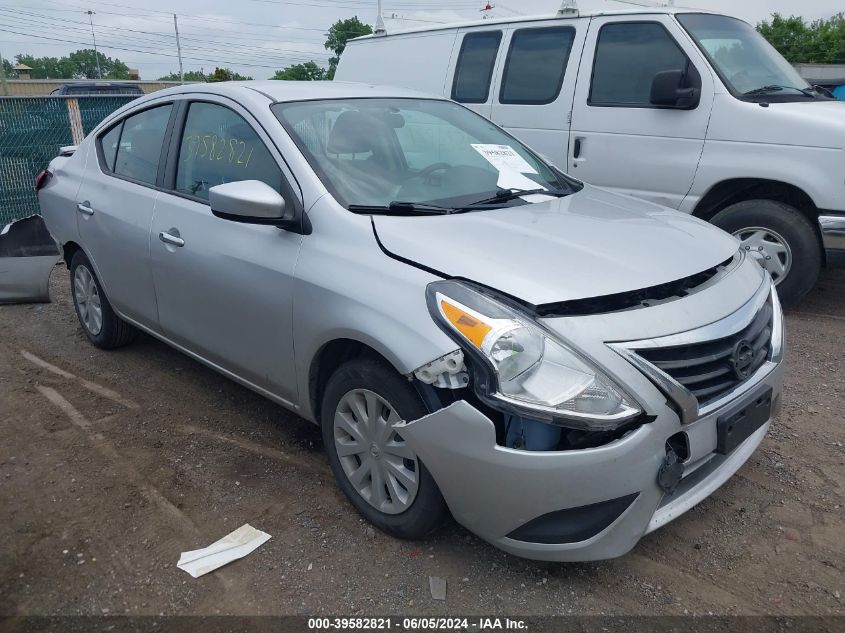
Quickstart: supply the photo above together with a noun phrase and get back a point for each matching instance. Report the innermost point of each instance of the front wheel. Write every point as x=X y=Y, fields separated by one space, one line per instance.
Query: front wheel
x=781 y=239
x=378 y=472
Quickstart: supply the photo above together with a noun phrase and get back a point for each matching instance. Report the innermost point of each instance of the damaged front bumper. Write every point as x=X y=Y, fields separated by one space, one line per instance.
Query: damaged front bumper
x=574 y=505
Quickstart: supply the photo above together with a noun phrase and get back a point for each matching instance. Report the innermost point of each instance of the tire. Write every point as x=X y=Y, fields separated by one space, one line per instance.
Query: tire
x=108 y=331
x=782 y=223
x=373 y=382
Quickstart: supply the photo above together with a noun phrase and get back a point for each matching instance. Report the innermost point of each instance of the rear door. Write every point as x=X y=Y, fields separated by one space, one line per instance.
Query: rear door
x=225 y=289
x=115 y=207
x=471 y=77
x=533 y=95
x=619 y=139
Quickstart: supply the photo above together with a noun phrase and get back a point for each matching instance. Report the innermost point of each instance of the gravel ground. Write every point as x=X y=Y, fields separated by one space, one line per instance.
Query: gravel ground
x=112 y=463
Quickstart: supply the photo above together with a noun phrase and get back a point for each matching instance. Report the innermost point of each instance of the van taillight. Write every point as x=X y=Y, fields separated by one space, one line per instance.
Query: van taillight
x=41 y=179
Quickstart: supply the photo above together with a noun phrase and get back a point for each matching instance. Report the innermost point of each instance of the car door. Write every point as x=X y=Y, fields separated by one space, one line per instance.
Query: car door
x=619 y=139
x=471 y=78
x=225 y=288
x=533 y=95
x=115 y=207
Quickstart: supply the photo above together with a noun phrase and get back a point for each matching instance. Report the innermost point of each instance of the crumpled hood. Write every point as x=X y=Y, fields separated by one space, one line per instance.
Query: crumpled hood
x=590 y=244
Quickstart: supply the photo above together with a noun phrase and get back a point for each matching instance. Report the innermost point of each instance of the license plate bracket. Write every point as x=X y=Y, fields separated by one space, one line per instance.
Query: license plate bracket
x=740 y=423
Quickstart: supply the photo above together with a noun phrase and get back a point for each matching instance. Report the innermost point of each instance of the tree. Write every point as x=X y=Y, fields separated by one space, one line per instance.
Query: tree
x=190 y=75
x=226 y=74
x=47 y=67
x=341 y=32
x=85 y=61
x=818 y=42
x=309 y=71
x=81 y=64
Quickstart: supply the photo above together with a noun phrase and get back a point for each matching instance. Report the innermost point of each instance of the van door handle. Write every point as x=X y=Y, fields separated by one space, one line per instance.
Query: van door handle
x=85 y=208
x=173 y=240
x=579 y=142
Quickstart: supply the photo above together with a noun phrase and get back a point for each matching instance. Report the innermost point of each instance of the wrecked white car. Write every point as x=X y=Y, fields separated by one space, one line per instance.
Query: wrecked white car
x=561 y=368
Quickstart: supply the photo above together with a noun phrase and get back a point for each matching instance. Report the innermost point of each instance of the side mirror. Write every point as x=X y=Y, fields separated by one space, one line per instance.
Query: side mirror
x=668 y=91
x=248 y=201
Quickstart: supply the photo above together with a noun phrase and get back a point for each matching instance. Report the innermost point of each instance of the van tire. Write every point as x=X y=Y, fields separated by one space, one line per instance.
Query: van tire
x=796 y=231
x=114 y=331
x=427 y=509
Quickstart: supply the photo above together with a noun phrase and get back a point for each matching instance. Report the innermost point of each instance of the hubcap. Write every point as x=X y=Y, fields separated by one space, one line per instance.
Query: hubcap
x=770 y=250
x=88 y=300
x=375 y=458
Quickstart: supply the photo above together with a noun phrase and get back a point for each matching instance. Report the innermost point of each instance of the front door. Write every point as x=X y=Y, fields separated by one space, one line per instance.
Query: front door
x=224 y=288
x=621 y=141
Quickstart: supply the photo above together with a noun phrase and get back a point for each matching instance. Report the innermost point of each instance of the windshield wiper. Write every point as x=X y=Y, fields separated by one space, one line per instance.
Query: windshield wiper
x=512 y=194
x=400 y=208
x=776 y=88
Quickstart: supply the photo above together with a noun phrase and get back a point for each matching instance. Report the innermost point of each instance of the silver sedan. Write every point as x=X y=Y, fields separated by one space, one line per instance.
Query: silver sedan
x=562 y=369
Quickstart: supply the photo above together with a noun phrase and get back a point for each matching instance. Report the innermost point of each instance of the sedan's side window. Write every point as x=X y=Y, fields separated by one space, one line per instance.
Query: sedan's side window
x=108 y=145
x=219 y=146
x=139 y=151
x=628 y=56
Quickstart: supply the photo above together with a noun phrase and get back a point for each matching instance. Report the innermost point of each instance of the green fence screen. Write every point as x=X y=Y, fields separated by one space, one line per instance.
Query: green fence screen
x=32 y=129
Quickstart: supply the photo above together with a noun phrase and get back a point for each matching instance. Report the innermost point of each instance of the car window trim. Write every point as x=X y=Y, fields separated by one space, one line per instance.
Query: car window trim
x=560 y=29
x=164 y=144
x=172 y=160
x=634 y=106
x=461 y=52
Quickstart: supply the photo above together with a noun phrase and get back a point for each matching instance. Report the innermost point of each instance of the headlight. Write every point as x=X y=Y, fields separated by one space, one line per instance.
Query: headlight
x=532 y=373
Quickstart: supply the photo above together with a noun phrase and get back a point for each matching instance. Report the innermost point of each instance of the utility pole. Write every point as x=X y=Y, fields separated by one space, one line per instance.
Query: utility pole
x=380 y=30
x=94 y=37
x=3 y=77
x=178 y=49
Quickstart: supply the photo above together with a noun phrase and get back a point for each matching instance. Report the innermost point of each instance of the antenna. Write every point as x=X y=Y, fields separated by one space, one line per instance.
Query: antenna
x=568 y=8
x=380 y=30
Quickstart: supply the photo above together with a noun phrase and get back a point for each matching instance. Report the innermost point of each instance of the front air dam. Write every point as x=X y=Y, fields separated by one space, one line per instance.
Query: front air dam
x=493 y=490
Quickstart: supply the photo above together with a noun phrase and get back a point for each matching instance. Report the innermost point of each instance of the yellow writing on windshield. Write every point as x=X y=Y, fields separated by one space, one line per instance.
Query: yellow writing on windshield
x=212 y=147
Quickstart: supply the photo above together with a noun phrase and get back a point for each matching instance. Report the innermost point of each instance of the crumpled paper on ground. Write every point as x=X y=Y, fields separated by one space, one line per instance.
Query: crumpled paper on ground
x=229 y=548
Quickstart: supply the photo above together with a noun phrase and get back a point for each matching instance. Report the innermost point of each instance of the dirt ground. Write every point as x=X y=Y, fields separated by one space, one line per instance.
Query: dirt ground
x=112 y=463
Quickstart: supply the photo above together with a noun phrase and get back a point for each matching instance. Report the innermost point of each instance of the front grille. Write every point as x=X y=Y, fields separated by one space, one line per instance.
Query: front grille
x=710 y=370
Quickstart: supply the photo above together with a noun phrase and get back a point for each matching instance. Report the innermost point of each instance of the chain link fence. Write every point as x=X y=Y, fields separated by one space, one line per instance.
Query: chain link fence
x=32 y=129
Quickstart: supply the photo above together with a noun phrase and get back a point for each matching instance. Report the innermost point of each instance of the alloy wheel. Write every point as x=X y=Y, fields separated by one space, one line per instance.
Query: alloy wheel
x=88 y=300
x=376 y=460
x=769 y=248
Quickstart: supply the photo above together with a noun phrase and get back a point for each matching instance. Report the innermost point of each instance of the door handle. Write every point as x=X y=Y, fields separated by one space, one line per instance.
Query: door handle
x=173 y=240
x=85 y=208
x=579 y=142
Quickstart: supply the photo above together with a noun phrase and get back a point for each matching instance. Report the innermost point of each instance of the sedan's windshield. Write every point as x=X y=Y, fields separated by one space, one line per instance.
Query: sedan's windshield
x=743 y=58
x=374 y=152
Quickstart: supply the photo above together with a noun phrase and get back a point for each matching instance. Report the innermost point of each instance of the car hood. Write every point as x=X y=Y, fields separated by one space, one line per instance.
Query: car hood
x=590 y=244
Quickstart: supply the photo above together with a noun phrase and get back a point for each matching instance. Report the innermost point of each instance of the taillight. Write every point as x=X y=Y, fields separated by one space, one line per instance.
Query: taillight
x=41 y=179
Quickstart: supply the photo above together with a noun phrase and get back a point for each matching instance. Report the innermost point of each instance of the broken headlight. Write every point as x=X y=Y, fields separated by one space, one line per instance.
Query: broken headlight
x=529 y=372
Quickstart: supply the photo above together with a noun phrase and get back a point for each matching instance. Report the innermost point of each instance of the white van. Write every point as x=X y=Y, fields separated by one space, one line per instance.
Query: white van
x=684 y=108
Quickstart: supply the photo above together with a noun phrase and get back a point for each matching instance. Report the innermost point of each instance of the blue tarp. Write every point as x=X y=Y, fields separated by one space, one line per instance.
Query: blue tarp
x=839 y=93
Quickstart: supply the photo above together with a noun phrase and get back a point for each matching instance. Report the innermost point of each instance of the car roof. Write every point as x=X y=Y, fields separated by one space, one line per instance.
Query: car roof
x=537 y=18
x=281 y=90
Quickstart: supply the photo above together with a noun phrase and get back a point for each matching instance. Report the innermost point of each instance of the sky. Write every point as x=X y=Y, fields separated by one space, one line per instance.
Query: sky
x=257 y=37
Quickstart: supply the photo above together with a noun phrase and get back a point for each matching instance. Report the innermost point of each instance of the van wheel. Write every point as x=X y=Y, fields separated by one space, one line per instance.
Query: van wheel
x=377 y=471
x=781 y=239
x=101 y=325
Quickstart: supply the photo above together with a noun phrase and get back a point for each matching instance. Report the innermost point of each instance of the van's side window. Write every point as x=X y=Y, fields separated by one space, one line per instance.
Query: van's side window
x=474 y=69
x=628 y=56
x=536 y=64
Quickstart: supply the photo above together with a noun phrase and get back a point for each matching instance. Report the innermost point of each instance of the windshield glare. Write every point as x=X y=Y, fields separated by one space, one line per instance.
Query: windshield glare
x=371 y=152
x=743 y=57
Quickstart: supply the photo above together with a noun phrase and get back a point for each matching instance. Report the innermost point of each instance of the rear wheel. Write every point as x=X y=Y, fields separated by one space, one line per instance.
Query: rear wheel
x=100 y=324
x=781 y=239
x=376 y=469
